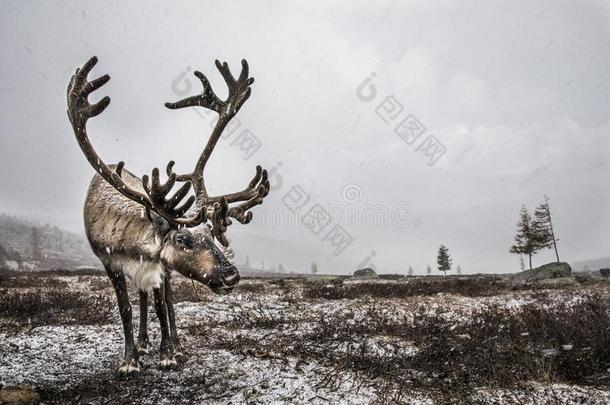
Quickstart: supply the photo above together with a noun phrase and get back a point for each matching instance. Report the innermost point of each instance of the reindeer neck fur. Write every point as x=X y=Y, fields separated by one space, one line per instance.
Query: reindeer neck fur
x=121 y=234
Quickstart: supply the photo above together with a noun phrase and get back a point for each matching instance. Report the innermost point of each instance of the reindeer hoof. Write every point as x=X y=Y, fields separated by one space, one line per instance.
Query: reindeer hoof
x=167 y=363
x=180 y=357
x=142 y=348
x=129 y=368
x=178 y=353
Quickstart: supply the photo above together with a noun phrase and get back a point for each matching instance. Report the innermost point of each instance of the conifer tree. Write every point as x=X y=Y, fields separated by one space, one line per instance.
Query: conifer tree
x=429 y=270
x=410 y=271
x=544 y=226
x=443 y=259
x=530 y=237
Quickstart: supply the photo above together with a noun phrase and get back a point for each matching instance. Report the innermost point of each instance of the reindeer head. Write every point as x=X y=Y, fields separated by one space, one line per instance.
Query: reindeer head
x=195 y=254
x=193 y=230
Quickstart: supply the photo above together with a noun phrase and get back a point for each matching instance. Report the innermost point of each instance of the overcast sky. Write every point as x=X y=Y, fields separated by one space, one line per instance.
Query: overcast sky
x=516 y=94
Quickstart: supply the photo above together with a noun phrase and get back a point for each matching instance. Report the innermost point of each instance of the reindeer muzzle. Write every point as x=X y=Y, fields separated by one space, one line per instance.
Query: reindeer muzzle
x=226 y=279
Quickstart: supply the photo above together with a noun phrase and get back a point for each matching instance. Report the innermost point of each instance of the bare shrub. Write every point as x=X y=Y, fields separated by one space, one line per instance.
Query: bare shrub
x=257 y=317
x=184 y=290
x=99 y=283
x=55 y=307
x=468 y=286
x=253 y=287
x=28 y=280
x=496 y=346
x=471 y=287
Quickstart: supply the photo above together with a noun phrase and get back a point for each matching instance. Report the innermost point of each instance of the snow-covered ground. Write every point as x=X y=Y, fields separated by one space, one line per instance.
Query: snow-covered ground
x=76 y=363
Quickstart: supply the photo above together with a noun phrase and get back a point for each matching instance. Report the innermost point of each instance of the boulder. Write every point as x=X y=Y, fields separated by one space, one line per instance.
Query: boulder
x=604 y=272
x=547 y=271
x=365 y=273
x=19 y=395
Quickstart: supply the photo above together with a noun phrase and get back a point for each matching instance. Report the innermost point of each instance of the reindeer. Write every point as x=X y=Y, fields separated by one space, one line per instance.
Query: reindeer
x=141 y=230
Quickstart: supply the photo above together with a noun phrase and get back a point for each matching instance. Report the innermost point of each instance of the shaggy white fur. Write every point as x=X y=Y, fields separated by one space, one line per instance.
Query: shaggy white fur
x=145 y=275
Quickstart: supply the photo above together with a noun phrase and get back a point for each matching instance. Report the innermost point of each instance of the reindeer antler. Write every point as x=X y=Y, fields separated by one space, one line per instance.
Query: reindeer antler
x=155 y=197
x=218 y=210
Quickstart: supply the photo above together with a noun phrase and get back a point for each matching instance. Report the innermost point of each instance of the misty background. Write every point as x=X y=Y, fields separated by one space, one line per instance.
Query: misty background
x=517 y=95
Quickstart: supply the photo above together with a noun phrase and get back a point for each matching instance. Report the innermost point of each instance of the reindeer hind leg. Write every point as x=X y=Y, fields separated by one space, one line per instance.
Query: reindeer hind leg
x=130 y=364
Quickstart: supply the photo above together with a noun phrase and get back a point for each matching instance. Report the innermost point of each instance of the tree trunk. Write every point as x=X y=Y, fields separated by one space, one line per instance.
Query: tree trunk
x=546 y=199
x=555 y=244
x=530 y=255
x=553 y=236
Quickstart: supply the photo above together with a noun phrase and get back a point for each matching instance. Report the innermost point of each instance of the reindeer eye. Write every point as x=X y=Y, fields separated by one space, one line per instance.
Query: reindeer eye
x=184 y=241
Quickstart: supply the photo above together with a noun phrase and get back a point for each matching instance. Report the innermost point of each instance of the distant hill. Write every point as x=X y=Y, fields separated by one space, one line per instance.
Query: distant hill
x=36 y=246
x=32 y=245
x=591 y=265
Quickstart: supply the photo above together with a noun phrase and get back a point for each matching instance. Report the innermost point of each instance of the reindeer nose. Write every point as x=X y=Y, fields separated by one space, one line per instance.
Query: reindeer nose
x=231 y=275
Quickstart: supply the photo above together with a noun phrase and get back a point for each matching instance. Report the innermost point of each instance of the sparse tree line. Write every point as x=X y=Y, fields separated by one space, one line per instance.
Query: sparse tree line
x=444 y=263
x=535 y=232
x=275 y=268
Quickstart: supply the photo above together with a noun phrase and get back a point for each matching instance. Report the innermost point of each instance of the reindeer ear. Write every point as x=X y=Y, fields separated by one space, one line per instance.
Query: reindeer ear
x=161 y=225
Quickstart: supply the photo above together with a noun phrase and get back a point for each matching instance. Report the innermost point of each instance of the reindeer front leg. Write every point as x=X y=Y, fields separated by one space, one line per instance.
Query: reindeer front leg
x=167 y=360
x=130 y=364
x=171 y=314
x=143 y=341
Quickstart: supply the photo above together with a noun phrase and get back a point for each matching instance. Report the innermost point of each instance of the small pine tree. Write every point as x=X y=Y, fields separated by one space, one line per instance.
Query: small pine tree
x=530 y=237
x=280 y=268
x=410 y=271
x=443 y=259
x=458 y=269
x=429 y=270
x=543 y=224
x=247 y=265
x=314 y=268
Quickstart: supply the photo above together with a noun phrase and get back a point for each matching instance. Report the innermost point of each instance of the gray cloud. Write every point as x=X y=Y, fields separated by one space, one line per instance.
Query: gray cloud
x=517 y=92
